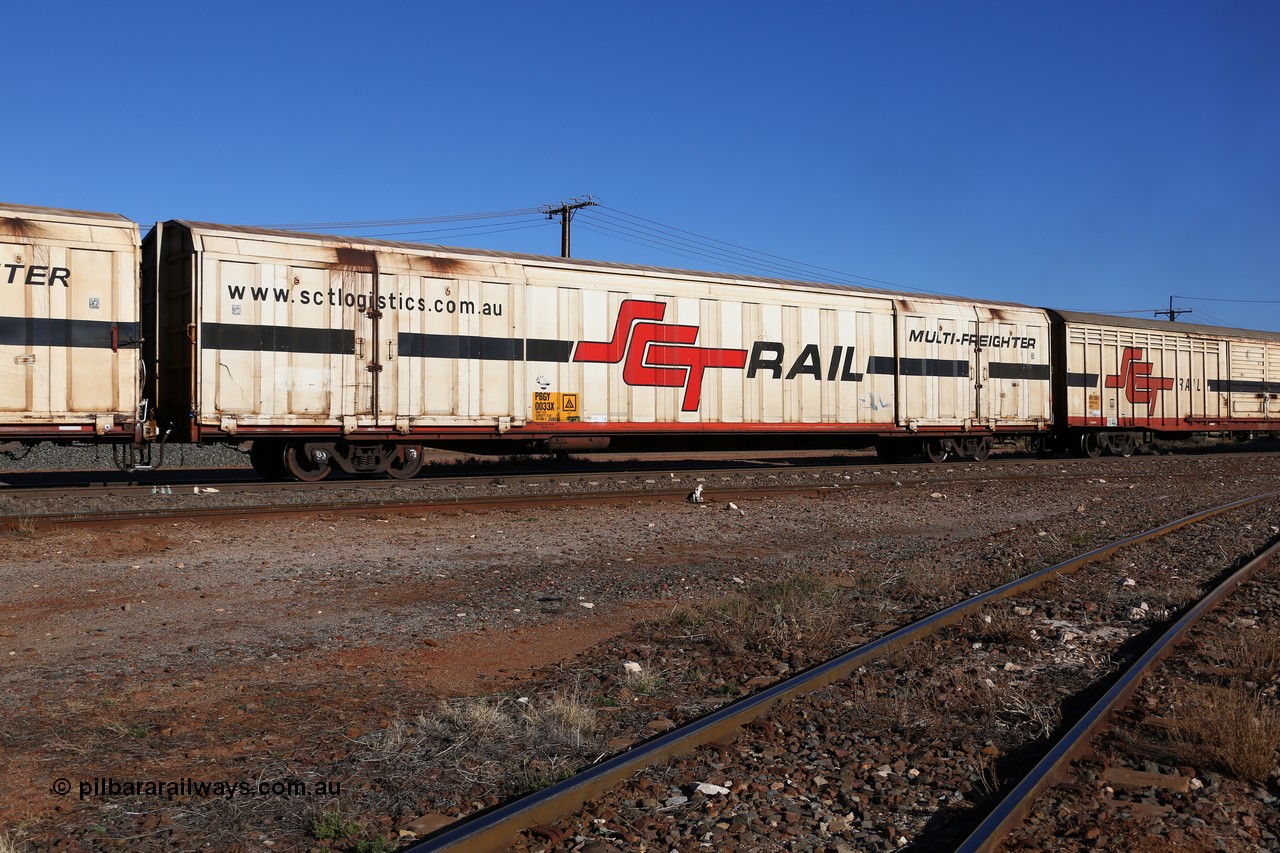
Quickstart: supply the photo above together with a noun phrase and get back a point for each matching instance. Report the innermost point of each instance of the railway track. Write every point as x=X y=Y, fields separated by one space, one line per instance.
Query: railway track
x=114 y=518
x=497 y=827
x=52 y=481
x=228 y=496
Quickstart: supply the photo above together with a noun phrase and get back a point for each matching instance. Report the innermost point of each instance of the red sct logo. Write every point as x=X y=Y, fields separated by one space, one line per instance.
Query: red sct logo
x=1136 y=379
x=656 y=354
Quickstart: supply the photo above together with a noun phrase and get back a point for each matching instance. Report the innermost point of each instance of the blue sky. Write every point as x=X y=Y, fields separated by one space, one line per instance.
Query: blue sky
x=1087 y=155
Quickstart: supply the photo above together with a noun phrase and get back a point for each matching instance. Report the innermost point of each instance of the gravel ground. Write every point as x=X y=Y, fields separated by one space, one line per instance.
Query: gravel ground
x=350 y=650
x=898 y=756
x=52 y=457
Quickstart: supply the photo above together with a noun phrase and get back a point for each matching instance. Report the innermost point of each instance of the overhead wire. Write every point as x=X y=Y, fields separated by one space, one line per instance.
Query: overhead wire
x=617 y=235
x=677 y=249
x=653 y=236
x=615 y=224
x=1216 y=320
x=745 y=251
x=1247 y=301
x=1115 y=310
x=427 y=220
x=469 y=230
x=702 y=246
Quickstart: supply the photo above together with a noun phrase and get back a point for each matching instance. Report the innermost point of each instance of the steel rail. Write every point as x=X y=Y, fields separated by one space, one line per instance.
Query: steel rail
x=1013 y=809
x=243 y=479
x=100 y=490
x=248 y=485
x=398 y=507
x=493 y=829
x=450 y=503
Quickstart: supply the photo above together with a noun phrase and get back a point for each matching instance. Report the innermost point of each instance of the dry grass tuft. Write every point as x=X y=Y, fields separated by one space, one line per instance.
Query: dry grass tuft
x=8 y=844
x=999 y=624
x=507 y=743
x=1233 y=729
x=23 y=526
x=926 y=579
x=779 y=618
x=1173 y=596
x=1258 y=654
x=564 y=719
x=1038 y=720
x=645 y=682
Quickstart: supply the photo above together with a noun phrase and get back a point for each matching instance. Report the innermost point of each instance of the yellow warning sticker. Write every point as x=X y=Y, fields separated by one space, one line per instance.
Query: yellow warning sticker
x=555 y=406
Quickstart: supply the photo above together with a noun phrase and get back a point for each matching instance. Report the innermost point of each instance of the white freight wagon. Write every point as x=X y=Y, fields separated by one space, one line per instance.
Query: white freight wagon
x=1122 y=377
x=69 y=356
x=327 y=351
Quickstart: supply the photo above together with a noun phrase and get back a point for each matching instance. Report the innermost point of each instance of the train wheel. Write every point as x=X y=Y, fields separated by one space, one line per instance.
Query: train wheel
x=1089 y=445
x=406 y=461
x=303 y=461
x=267 y=458
x=1123 y=444
x=981 y=449
x=935 y=450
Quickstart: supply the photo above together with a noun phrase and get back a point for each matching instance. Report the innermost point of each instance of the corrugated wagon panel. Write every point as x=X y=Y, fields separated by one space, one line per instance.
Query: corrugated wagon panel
x=68 y=322
x=279 y=340
x=935 y=367
x=313 y=386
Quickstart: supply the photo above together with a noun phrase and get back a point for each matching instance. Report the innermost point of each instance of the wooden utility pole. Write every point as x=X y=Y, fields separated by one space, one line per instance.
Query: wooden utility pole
x=565 y=211
x=1172 y=313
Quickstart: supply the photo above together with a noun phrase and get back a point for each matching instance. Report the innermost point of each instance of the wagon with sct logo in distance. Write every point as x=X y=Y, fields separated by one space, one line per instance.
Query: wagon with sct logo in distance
x=1121 y=379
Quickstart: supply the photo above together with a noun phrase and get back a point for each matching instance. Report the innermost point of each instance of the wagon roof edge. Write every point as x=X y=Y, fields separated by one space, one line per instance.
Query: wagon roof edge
x=35 y=212
x=582 y=263
x=1084 y=317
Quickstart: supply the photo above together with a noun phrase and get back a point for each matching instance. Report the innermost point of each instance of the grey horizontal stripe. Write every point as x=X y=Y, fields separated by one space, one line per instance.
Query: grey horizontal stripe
x=277 y=339
x=1082 y=380
x=482 y=348
x=461 y=346
x=1236 y=386
x=1013 y=370
x=342 y=342
x=29 y=332
x=883 y=365
x=536 y=349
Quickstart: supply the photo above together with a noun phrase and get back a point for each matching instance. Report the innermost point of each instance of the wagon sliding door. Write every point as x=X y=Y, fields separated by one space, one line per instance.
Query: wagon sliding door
x=935 y=369
x=1011 y=368
x=286 y=345
x=356 y=278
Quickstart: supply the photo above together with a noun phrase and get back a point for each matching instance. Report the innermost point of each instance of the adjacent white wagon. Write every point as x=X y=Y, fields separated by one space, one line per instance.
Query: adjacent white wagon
x=1122 y=377
x=68 y=324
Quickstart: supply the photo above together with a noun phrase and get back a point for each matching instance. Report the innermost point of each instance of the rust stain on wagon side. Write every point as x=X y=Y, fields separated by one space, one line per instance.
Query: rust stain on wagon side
x=355 y=260
x=443 y=267
x=351 y=259
x=16 y=226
